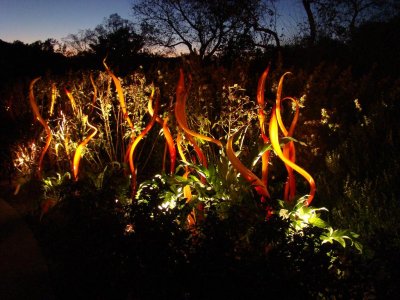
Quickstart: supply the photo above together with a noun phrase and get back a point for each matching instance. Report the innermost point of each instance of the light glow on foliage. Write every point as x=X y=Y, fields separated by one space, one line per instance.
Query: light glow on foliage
x=181 y=96
x=71 y=99
x=168 y=137
x=138 y=139
x=53 y=98
x=37 y=115
x=274 y=136
x=245 y=172
x=278 y=138
x=78 y=152
x=261 y=117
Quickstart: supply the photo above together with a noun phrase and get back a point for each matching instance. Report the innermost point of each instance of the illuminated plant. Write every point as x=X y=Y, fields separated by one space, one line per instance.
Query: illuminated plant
x=236 y=112
x=53 y=98
x=168 y=138
x=188 y=188
x=287 y=155
x=114 y=118
x=302 y=216
x=78 y=152
x=53 y=187
x=111 y=141
x=125 y=114
x=274 y=136
x=261 y=118
x=36 y=113
x=138 y=139
x=134 y=127
x=171 y=145
x=181 y=97
x=245 y=172
x=24 y=157
x=68 y=127
x=289 y=148
x=210 y=202
x=72 y=100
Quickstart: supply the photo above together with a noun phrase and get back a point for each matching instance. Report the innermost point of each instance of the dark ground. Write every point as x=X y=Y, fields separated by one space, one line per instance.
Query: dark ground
x=23 y=269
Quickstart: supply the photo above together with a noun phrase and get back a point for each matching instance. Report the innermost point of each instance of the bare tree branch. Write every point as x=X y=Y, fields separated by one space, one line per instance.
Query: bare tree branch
x=205 y=27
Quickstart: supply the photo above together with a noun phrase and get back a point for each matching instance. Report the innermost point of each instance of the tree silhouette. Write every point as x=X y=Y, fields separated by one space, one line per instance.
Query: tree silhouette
x=338 y=19
x=116 y=38
x=311 y=21
x=202 y=27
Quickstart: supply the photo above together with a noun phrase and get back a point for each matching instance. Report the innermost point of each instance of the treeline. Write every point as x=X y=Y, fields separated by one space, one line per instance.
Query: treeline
x=372 y=43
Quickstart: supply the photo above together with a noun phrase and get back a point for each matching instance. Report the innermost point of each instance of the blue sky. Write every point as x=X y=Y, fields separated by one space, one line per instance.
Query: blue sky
x=32 y=20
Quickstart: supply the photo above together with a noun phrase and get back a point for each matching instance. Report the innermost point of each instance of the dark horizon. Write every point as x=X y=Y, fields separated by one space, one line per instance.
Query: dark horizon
x=28 y=22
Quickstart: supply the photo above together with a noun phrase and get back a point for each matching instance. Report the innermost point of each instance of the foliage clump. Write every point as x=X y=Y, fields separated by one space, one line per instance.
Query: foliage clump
x=205 y=221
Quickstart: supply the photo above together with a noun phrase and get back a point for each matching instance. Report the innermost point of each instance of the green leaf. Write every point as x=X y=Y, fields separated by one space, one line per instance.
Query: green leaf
x=268 y=146
x=341 y=241
x=304 y=210
x=358 y=246
x=340 y=233
x=317 y=222
x=340 y=236
x=181 y=179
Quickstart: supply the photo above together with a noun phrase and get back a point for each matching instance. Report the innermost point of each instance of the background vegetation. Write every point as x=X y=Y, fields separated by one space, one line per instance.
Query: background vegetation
x=344 y=63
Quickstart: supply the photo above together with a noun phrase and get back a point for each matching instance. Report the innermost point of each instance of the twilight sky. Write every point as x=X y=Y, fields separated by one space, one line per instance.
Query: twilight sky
x=32 y=20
